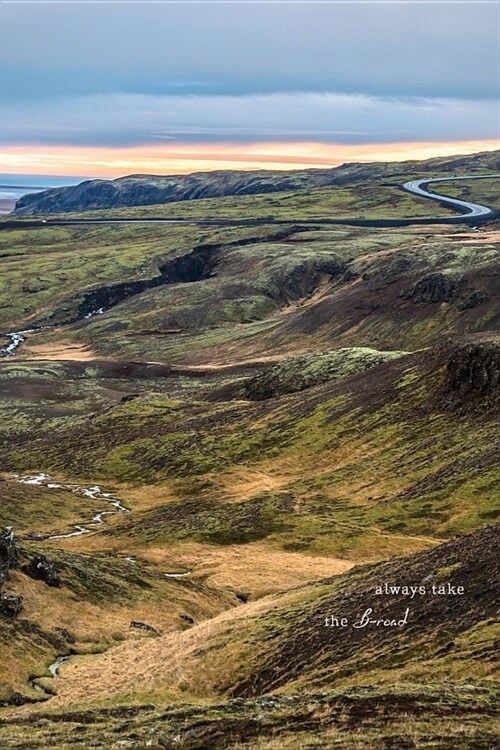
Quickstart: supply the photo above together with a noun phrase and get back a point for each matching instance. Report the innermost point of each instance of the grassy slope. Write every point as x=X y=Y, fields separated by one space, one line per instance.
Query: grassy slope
x=280 y=644
x=310 y=291
x=383 y=460
x=100 y=596
x=314 y=678
x=258 y=497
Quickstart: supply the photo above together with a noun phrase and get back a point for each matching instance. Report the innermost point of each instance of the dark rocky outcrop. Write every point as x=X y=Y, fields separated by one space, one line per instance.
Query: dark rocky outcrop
x=17 y=699
x=8 y=554
x=42 y=569
x=473 y=299
x=435 y=287
x=473 y=374
x=10 y=606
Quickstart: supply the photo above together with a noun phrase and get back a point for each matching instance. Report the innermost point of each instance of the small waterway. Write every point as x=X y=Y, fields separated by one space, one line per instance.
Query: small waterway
x=178 y=575
x=16 y=338
x=93 y=313
x=53 y=669
x=94 y=492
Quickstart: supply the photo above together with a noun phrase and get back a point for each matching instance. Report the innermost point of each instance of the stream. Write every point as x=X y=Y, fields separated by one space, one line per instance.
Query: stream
x=93 y=492
x=16 y=338
x=53 y=669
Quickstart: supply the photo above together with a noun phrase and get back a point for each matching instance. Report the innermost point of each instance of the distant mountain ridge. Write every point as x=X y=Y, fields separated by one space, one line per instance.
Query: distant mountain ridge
x=145 y=190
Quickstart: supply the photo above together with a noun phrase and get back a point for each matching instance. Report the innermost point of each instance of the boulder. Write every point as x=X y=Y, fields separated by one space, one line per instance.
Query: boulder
x=42 y=569
x=10 y=606
x=143 y=626
x=475 y=298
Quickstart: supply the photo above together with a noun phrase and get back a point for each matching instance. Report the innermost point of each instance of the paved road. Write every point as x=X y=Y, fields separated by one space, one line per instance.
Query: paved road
x=473 y=213
x=417 y=187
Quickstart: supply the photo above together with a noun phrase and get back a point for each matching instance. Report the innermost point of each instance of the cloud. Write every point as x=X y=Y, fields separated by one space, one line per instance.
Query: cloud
x=101 y=161
x=128 y=119
x=194 y=81
x=435 y=50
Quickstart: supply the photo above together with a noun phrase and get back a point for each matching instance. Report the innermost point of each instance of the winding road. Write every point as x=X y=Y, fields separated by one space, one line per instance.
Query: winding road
x=472 y=210
x=471 y=213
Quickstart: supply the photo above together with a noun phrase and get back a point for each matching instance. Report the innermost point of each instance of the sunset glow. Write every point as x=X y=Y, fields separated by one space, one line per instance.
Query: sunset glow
x=91 y=161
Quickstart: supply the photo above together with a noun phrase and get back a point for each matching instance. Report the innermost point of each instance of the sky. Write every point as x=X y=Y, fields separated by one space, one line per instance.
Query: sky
x=95 y=88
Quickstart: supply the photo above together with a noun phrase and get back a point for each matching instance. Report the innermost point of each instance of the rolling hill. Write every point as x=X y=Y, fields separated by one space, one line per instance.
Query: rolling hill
x=217 y=440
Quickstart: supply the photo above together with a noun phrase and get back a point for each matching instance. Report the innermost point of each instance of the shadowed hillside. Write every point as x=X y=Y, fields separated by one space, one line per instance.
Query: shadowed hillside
x=145 y=190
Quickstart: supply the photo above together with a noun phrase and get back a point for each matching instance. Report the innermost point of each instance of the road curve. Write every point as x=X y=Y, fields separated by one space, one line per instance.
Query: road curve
x=417 y=187
x=472 y=213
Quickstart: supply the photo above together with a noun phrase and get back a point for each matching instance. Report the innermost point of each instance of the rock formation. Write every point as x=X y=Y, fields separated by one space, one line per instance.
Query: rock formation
x=10 y=606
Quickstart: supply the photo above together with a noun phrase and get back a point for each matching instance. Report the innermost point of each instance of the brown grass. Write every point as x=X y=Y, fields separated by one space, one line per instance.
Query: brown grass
x=60 y=350
x=168 y=666
x=254 y=569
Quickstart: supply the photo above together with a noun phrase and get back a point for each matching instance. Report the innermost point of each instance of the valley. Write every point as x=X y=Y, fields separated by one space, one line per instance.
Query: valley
x=213 y=437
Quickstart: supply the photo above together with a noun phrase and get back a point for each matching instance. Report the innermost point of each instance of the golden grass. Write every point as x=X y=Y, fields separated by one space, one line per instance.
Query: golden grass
x=253 y=569
x=242 y=482
x=65 y=350
x=58 y=606
x=176 y=667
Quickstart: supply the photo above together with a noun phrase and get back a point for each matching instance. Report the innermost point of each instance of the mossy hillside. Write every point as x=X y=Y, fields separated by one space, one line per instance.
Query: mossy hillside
x=100 y=594
x=41 y=396
x=34 y=395
x=34 y=279
x=27 y=406
x=355 y=291
x=312 y=290
x=247 y=284
x=385 y=464
x=368 y=718
x=298 y=373
x=361 y=201
x=312 y=666
x=46 y=270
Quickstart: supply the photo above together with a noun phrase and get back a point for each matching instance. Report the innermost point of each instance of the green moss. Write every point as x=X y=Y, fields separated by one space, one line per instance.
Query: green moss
x=305 y=371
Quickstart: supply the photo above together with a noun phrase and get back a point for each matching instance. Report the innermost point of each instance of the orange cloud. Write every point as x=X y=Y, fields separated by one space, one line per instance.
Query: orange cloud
x=89 y=161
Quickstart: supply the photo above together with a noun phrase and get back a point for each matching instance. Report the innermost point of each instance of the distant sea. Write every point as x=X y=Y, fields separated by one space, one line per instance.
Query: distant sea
x=13 y=186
